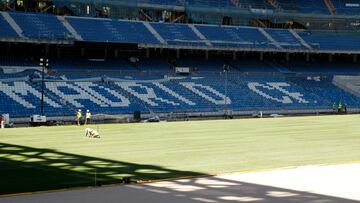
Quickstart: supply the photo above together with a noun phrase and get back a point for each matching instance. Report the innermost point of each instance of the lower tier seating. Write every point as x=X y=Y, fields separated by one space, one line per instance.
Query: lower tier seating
x=204 y=93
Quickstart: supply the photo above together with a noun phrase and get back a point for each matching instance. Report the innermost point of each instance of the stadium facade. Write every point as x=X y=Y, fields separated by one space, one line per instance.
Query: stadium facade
x=178 y=58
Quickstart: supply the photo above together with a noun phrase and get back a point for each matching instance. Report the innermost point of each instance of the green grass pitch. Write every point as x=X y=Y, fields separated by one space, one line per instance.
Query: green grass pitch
x=33 y=159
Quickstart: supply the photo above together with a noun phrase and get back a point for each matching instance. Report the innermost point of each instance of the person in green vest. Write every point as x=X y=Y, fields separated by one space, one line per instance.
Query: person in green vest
x=339 y=107
x=334 y=107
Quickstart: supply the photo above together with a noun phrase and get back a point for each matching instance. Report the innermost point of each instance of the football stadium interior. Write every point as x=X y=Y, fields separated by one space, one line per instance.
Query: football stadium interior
x=178 y=60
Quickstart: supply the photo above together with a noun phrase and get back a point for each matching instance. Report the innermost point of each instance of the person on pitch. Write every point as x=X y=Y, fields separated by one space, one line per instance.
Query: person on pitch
x=91 y=133
x=340 y=107
x=78 y=117
x=2 y=122
x=87 y=117
x=334 y=107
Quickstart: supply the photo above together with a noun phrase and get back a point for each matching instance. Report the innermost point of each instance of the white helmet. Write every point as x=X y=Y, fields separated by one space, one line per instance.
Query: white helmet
x=87 y=110
x=79 y=110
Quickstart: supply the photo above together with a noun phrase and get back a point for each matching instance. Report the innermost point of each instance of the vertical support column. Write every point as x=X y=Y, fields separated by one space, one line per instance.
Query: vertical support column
x=147 y=53
x=58 y=52
x=234 y=55
x=178 y=53
x=287 y=57
x=82 y=51
x=261 y=56
x=105 y=53
x=330 y=58
x=116 y=53
x=206 y=54
x=355 y=58
x=307 y=57
x=8 y=47
x=46 y=50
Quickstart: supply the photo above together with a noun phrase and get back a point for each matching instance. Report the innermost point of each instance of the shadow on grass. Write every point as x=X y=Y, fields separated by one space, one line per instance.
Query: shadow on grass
x=196 y=190
x=27 y=169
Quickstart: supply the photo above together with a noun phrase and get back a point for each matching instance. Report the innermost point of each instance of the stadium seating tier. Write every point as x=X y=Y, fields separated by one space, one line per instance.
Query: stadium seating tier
x=49 y=27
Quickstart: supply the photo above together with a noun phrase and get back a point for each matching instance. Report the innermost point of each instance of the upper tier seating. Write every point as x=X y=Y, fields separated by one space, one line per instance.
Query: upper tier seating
x=6 y=29
x=177 y=34
x=286 y=39
x=40 y=26
x=106 y=30
x=332 y=41
x=308 y=6
x=48 y=27
x=347 y=7
x=235 y=36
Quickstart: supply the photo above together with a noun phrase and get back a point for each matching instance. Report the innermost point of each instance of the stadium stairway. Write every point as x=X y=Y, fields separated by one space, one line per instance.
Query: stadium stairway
x=13 y=25
x=67 y=107
x=331 y=7
x=39 y=26
x=69 y=28
x=197 y=101
x=274 y=4
x=348 y=83
x=154 y=32
x=302 y=41
x=269 y=37
x=199 y=34
x=139 y=104
x=284 y=38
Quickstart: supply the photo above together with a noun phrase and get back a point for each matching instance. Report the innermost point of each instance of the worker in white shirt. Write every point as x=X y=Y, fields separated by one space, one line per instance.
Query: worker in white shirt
x=78 y=117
